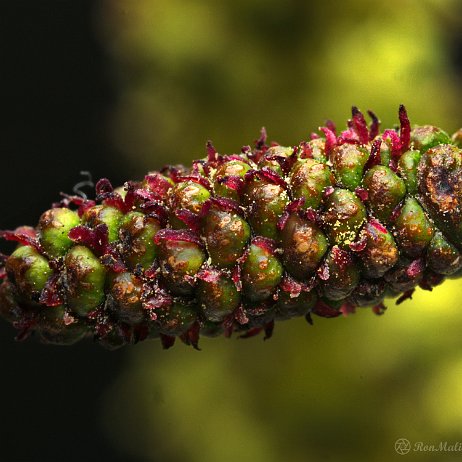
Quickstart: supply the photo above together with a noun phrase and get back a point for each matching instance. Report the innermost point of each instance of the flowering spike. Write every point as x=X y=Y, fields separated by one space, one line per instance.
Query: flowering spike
x=234 y=182
x=51 y=295
x=177 y=177
x=190 y=219
x=292 y=207
x=331 y=139
x=211 y=152
x=374 y=127
x=261 y=142
x=22 y=236
x=269 y=245
x=359 y=125
x=406 y=295
x=191 y=336
x=153 y=209
x=347 y=308
x=236 y=276
x=405 y=130
x=175 y=235
x=103 y=186
x=235 y=243
x=379 y=309
x=359 y=246
x=227 y=205
x=158 y=184
x=167 y=341
x=266 y=174
x=83 y=204
x=375 y=157
x=378 y=226
x=268 y=328
x=324 y=310
x=331 y=126
x=362 y=193
x=416 y=267
x=395 y=144
x=252 y=332
x=96 y=239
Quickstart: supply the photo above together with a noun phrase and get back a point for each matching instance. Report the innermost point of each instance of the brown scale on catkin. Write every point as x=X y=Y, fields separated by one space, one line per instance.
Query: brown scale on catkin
x=238 y=242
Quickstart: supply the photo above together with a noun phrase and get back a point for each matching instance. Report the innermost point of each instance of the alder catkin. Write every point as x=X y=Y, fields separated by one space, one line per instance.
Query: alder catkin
x=236 y=242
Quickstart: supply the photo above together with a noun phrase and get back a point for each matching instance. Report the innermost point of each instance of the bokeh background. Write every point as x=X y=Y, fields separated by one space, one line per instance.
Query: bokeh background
x=117 y=87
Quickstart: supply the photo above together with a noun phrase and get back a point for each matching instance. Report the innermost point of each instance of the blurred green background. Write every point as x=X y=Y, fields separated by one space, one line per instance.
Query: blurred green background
x=345 y=389
x=120 y=87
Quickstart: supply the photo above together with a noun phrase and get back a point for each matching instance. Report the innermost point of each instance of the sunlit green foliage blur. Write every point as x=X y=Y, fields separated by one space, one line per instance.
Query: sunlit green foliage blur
x=344 y=389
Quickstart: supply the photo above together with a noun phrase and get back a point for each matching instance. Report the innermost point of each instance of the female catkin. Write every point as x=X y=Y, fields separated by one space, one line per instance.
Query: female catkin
x=237 y=242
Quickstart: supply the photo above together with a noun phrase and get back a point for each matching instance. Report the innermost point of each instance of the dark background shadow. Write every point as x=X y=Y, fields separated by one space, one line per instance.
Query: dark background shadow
x=55 y=94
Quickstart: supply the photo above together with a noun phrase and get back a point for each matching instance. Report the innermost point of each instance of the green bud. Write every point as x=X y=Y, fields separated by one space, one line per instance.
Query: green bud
x=317 y=149
x=304 y=246
x=261 y=273
x=85 y=280
x=368 y=293
x=104 y=214
x=289 y=306
x=226 y=235
x=413 y=231
x=440 y=186
x=407 y=168
x=399 y=279
x=427 y=136
x=145 y=183
x=348 y=161
x=308 y=178
x=272 y=164
x=342 y=274
x=137 y=234
x=179 y=263
x=267 y=202
x=344 y=216
x=56 y=329
x=442 y=256
x=54 y=226
x=385 y=191
x=177 y=318
x=281 y=151
x=218 y=299
x=126 y=291
x=28 y=270
x=186 y=195
x=380 y=253
x=231 y=168
x=385 y=154
x=259 y=315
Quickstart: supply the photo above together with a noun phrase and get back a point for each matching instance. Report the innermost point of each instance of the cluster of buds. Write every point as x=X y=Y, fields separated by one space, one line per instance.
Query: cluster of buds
x=237 y=242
